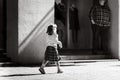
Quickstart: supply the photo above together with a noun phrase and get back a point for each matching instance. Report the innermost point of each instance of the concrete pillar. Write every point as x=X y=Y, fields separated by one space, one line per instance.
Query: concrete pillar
x=26 y=30
x=12 y=28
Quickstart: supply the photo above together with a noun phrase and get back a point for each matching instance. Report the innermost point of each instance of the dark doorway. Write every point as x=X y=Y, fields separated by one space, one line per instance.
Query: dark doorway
x=74 y=26
x=79 y=39
x=2 y=25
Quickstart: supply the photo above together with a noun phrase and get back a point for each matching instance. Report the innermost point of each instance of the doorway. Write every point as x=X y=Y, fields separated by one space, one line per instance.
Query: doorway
x=77 y=39
x=80 y=38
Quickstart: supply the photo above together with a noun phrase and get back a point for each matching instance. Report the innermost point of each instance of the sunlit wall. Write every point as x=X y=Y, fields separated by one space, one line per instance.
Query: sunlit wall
x=26 y=35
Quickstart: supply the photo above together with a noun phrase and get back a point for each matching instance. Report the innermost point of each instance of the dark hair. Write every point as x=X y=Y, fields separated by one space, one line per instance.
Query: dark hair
x=50 y=30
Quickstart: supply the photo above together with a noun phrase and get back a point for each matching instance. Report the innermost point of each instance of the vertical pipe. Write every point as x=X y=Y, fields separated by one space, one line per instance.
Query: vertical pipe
x=68 y=32
x=119 y=32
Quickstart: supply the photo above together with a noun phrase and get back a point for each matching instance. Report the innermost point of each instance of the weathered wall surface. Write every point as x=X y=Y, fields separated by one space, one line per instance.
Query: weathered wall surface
x=34 y=17
x=27 y=21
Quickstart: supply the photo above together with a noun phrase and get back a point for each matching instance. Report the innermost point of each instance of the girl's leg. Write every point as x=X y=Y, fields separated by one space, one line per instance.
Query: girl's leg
x=58 y=67
x=44 y=63
x=42 y=67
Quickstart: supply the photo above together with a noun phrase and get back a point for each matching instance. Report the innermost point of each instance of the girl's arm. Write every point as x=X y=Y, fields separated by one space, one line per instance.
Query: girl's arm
x=58 y=42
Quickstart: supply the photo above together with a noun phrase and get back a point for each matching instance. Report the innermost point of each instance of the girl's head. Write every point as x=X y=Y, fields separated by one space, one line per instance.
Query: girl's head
x=52 y=29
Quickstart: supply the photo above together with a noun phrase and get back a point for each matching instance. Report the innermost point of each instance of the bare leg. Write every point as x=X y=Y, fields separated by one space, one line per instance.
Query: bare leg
x=44 y=63
x=42 y=67
x=58 y=67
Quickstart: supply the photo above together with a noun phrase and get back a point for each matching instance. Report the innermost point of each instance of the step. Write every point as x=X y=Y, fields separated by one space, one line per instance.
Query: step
x=84 y=57
x=77 y=62
x=74 y=51
x=4 y=58
x=71 y=60
x=81 y=52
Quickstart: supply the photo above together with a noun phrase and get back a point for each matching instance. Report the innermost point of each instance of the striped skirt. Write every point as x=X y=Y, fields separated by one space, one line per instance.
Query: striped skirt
x=51 y=54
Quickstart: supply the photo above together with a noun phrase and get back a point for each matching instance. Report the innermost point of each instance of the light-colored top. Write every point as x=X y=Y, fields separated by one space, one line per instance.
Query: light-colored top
x=52 y=40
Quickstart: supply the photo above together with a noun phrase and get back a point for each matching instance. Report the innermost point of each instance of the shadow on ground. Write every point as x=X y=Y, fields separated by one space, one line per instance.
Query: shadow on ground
x=14 y=75
x=73 y=63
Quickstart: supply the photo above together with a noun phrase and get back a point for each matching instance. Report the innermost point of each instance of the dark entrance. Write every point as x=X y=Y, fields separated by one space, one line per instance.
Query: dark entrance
x=74 y=27
x=74 y=30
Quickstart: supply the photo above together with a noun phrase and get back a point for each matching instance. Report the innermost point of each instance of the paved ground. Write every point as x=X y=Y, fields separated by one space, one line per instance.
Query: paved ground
x=91 y=70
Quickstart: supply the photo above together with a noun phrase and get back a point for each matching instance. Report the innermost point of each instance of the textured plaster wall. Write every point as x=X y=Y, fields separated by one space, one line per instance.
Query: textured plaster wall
x=31 y=13
x=34 y=17
x=27 y=21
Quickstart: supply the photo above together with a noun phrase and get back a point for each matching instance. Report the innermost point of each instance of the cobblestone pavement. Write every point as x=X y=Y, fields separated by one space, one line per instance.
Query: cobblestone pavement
x=94 y=70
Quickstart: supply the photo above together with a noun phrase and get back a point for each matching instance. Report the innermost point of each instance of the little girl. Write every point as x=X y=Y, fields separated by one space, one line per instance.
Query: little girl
x=51 y=53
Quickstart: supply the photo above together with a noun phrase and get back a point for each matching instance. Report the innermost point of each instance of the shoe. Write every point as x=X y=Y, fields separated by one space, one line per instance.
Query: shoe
x=42 y=71
x=60 y=71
